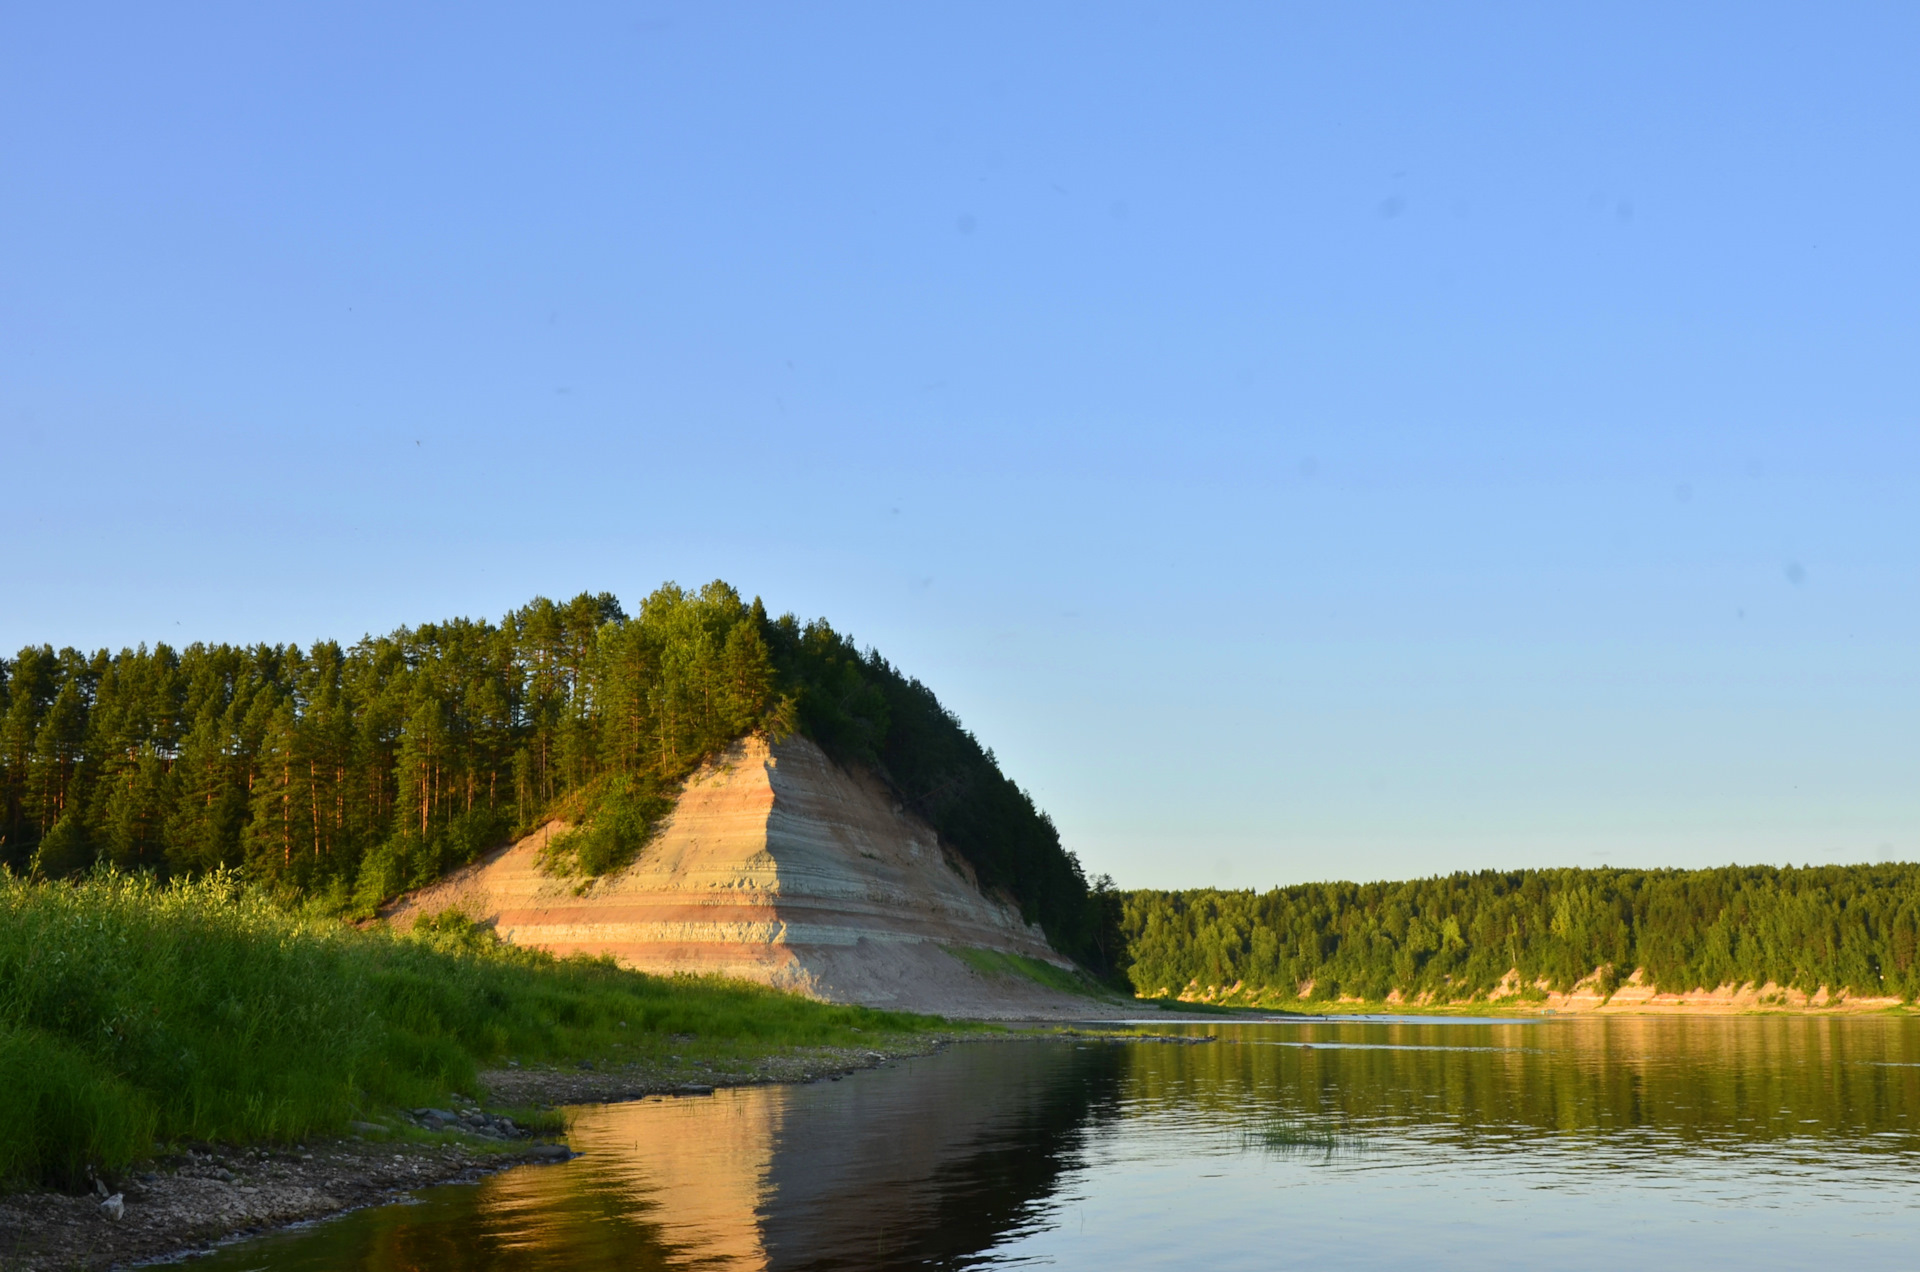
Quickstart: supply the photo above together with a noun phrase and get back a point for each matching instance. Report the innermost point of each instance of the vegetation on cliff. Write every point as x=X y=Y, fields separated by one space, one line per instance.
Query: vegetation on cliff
x=342 y=775
x=133 y=1012
x=1852 y=928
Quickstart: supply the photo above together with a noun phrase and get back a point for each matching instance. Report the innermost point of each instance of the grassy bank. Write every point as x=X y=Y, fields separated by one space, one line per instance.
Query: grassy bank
x=133 y=1014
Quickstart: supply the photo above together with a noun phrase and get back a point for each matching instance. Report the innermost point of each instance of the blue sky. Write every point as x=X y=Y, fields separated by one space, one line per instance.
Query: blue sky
x=1304 y=442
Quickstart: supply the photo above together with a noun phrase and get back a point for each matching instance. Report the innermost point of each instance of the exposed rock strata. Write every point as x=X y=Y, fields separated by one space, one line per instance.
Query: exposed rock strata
x=1638 y=993
x=1635 y=994
x=777 y=866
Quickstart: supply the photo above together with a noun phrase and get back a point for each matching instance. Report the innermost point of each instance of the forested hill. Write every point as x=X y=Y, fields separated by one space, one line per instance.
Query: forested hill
x=344 y=774
x=1855 y=928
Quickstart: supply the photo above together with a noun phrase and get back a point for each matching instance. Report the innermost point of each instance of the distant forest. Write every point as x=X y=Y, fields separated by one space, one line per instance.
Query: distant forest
x=341 y=775
x=1853 y=928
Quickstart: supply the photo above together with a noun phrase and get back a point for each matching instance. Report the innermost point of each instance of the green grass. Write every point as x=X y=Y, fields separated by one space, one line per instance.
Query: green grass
x=134 y=1014
x=1021 y=967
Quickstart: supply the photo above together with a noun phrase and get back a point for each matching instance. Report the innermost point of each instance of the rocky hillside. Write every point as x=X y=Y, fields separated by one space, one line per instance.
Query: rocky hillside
x=779 y=865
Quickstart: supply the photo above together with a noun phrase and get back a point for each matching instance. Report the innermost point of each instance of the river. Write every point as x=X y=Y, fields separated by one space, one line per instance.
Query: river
x=1643 y=1142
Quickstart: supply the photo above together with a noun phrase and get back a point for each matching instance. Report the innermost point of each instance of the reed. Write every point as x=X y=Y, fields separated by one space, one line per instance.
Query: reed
x=1289 y=1137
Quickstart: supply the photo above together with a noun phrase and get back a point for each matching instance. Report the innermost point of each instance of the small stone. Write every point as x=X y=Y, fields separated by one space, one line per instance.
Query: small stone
x=114 y=1207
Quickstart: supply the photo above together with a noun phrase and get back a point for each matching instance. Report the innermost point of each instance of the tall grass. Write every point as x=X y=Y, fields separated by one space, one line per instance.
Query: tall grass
x=132 y=1012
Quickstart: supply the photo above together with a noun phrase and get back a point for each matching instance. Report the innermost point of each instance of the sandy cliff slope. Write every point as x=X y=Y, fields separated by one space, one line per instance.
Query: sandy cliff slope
x=778 y=866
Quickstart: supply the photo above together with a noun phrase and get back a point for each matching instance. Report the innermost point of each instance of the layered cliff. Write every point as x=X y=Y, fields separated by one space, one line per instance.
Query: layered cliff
x=777 y=866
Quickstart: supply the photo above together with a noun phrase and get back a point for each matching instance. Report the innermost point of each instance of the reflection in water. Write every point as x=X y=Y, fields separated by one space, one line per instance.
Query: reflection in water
x=904 y=1168
x=1707 y=1081
x=945 y=1164
x=1645 y=1141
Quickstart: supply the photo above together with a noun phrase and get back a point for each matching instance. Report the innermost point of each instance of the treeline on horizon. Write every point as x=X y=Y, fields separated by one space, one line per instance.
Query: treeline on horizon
x=1851 y=928
x=343 y=775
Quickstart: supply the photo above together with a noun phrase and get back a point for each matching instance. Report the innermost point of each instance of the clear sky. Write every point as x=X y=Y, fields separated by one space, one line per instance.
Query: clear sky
x=1303 y=441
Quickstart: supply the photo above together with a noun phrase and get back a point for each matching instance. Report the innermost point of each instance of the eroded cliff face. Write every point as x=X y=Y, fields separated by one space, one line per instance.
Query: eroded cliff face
x=1637 y=994
x=781 y=867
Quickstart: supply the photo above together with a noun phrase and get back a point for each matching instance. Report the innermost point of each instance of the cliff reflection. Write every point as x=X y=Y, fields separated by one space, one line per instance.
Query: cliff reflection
x=882 y=1169
x=921 y=1172
x=960 y=1159
x=919 y=1166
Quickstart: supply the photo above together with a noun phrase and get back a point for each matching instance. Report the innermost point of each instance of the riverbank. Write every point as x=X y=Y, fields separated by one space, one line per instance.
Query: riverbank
x=1632 y=997
x=1598 y=992
x=196 y=1196
x=200 y=1196
x=205 y=1062
x=136 y=1016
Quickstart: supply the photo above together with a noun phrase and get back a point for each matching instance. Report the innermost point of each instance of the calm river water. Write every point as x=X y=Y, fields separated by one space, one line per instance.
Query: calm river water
x=1628 y=1142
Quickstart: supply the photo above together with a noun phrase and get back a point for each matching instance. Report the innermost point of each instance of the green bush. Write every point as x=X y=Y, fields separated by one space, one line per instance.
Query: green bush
x=621 y=814
x=63 y=850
